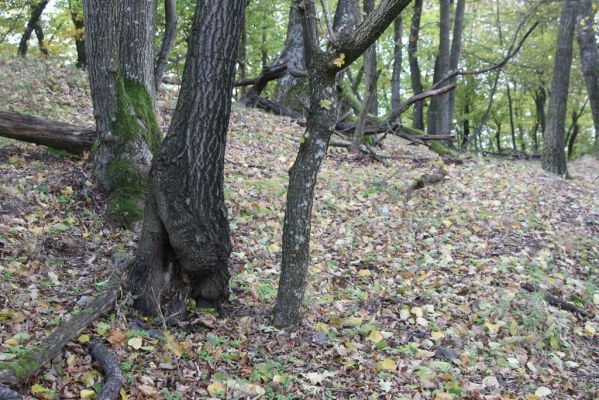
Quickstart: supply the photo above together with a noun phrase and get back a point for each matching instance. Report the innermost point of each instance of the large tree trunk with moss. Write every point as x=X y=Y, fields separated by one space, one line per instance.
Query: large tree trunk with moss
x=320 y=124
x=292 y=90
x=554 y=158
x=418 y=111
x=589 y=59
x=33 y=25
x=184 y=247
x=119 y=40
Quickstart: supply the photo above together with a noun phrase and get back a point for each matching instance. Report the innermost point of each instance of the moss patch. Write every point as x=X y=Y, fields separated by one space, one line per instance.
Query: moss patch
x=125 y=205
x=22 y=367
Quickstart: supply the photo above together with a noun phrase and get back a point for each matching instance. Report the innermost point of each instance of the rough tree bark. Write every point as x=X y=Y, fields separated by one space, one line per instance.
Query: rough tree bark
x=589 y=58
x=76 y=10
x=554 y=158
x=184 y=247
x=168 y=40
x=418 y=112
x=32 y=24
x=456 y=49
x=370 y=73
x=322 y=70
x=119 y=46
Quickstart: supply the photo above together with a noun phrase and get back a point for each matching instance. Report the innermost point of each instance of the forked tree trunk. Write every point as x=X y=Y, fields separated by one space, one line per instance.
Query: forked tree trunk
x=34 y=19
x=184 y=247
x=554 y=158
x=119 y=40
x=418 y=111
x=589 y=58
x=320 y=123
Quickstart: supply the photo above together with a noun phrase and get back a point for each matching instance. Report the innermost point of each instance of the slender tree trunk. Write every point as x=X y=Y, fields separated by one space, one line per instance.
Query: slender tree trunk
x=241 y=54
x=466 y=121
x=498 y=136
x=589 y=58
x=319 y=127
x=456 y=49
x=397 y=58
x=39 y=34
x=263 y=49
x=437 y=111
x=370 y=65
x=573 y=134
x=185 y=245
x=36 y=13
x=554 y=159
x=540 y=100
x=511 y=112
x=78 y=22
x=119 y=41
x=168 y=40
x=415 y=76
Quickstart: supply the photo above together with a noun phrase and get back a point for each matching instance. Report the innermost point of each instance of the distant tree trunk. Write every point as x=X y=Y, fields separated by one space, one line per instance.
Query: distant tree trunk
x=456 y=49
x=319 y=127
x=589 y=58
x=185 y=245
x=370 y=65
x=39 y=34
x=241 y=54
x=33 y=24
x=418 y=110
x=573 y=134
x=292 y=90
x=168 y=40
x=511 y=112
x=397 y=58
x=466 y=121
x=498 y=136
x=78 y=22
x=119 y=47
x=540 y=100
x=437 y=114
x=554 y=158
x=263 y=49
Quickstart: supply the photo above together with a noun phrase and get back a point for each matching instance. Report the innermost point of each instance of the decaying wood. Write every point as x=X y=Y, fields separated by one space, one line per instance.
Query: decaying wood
x=27 y=128
x=111 y=366
x=17 y=371
x=7 y=393
x=556 y=301
x=426 y=179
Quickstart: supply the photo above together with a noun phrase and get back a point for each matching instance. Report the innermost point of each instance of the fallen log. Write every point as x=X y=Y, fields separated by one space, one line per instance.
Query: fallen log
x=27 y=128
x=556 y=301
x=426 y=179
x=16 y=372
x=112 y=368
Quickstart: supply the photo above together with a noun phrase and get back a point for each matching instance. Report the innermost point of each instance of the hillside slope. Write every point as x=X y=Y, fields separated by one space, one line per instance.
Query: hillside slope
x=412 y=298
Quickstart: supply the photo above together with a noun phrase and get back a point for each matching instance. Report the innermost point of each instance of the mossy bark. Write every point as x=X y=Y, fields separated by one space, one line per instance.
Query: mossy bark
x=434 y=145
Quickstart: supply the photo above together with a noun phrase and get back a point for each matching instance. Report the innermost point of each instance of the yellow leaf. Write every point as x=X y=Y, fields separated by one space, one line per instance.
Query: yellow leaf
x=12 y=342
x=83 y=339
x=387 y=364
x=364 y=272
x=417 y=311
x=542 y=391
x=135 y=342
x=124 y=395
x=322 y=327
x=87 y=394
x=353 y=321
x=172 y=344
x=404 y=314
x=339 y=61
x=589 y=330
x=216 y=388
x=326 y=104
x=375 y=336
x=437 y=335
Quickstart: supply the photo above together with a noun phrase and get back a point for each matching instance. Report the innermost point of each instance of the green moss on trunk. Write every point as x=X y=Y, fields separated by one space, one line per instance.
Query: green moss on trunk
x=434 y=145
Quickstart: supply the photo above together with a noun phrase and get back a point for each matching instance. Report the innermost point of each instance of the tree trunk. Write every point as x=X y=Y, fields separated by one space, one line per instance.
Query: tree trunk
x=346 y=18
x=511 y=113
x=39 y=34
x=291 y=90
x=572 y=137
x=456 y=49
x=168 y=40
x=418 y=111
x=554 y=159
x=498 y=136
x=437 y=110
x=74 y=139
x=540 y=100
x=397 y=58
x=119 y=40
x=589 y=58
x=370 y=73
x=466 y=121
x=36 y=13
x=320 y=122
x=184 y=247
x=241 y=55
x=78 y=22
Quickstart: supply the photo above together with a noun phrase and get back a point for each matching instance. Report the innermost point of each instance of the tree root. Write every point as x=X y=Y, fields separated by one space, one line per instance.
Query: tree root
x=556 y=301
x=17 y=372
x=111 y=366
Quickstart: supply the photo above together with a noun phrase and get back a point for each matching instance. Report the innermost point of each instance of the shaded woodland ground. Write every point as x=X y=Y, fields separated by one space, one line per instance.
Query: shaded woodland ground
x=410 y=296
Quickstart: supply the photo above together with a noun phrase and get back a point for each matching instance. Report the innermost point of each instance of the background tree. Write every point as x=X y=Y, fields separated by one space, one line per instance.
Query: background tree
x=34 y=25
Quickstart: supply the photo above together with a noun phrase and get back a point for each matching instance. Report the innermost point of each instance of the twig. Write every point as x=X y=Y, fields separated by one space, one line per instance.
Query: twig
x=556 y=301
x=111 y=366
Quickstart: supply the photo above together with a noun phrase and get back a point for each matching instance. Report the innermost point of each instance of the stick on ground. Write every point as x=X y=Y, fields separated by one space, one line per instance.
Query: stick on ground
x=111 y=366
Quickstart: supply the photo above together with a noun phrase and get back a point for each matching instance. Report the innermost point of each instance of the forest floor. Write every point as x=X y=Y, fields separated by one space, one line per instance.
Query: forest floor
x=409 y=298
